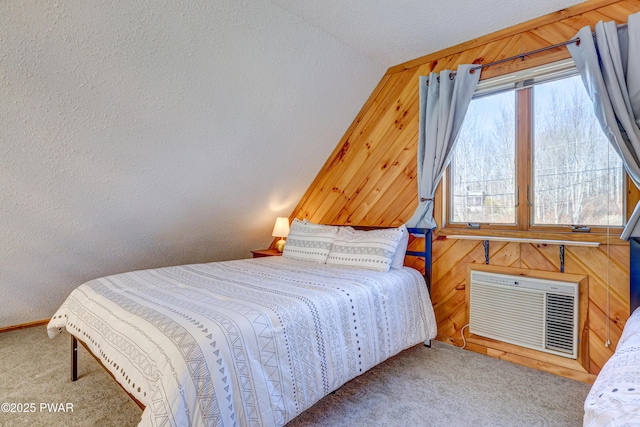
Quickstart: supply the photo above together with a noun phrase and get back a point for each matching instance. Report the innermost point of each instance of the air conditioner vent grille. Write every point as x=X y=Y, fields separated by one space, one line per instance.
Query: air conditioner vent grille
x=559 y=334
x=515 y=307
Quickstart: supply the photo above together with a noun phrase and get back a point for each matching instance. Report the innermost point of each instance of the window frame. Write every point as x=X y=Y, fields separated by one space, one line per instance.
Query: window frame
x=524 y=134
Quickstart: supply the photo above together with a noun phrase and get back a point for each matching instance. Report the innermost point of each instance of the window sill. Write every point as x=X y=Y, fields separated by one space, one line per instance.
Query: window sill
x=524 y=240
x=541 y=237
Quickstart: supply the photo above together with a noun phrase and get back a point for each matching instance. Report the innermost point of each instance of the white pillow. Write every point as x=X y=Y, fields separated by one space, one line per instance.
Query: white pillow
x=308 y=241
x=398 y=258
x=372 y=249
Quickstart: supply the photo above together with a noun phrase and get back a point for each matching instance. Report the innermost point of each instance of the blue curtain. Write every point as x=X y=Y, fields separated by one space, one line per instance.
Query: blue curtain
x=444 y=100
x=610 y=70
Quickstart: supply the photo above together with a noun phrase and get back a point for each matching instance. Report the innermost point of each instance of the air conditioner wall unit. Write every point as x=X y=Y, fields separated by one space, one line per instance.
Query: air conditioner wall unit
x=540 y=314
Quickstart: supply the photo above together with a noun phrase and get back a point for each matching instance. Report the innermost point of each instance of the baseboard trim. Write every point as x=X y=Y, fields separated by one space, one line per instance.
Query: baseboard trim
x=24 y=325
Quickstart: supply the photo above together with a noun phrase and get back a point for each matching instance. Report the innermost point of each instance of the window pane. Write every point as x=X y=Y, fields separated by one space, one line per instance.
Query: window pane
x=577 y=176
x=483 y=165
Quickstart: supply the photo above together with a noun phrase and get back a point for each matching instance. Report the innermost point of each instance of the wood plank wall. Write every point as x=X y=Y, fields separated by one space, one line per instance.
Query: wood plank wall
x=370 y=179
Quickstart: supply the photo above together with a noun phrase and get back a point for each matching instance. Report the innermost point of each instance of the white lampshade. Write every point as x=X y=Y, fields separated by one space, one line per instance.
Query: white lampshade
x=281 y=229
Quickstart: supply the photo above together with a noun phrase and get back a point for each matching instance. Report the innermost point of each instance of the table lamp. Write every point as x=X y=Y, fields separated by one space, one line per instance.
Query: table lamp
x=281 y=229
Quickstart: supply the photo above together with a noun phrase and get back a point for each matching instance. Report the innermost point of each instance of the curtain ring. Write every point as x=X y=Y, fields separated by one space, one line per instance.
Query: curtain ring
x=472 y=71
x=451 y=75
x=438 y=79
x=427 y=82
x=578 y=42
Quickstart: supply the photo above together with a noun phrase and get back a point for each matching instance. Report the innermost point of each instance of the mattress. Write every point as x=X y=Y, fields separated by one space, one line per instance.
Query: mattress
x=247 y=342
x=614 y=398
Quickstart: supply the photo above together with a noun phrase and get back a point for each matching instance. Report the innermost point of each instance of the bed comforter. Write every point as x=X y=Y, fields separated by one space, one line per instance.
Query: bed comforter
x=614 y=398
x=248 y=342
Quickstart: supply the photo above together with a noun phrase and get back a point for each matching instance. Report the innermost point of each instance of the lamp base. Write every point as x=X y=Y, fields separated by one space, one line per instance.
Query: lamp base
x=280 y=245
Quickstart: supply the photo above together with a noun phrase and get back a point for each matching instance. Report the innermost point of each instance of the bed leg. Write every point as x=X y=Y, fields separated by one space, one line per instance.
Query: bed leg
x=427 y=343
x=74 y=358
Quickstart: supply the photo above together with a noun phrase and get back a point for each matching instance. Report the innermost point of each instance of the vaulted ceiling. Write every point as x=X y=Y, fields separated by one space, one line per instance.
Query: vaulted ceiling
x=392 y=32
x=143 y=134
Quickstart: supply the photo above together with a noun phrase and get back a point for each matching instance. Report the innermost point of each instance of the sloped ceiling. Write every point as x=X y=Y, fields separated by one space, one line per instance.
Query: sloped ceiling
x=392 y=32
x=144 y=134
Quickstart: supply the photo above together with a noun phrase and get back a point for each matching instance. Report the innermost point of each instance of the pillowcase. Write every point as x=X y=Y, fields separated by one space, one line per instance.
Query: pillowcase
x=309 y=242
x=398 y=258
x=373 y=250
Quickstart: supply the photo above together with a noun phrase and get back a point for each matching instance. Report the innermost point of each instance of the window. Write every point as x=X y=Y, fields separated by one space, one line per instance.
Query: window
x=483 y=166
x=531 y=155
x=577 y=176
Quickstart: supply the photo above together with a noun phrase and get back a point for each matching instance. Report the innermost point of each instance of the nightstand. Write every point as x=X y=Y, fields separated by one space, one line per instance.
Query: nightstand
x=265 y=252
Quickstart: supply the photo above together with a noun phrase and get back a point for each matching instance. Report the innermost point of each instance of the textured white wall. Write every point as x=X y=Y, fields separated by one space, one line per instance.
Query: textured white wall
x=139 y=134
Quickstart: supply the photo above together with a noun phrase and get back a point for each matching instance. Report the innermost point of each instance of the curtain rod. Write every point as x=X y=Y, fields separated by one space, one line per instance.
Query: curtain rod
x=522 y=55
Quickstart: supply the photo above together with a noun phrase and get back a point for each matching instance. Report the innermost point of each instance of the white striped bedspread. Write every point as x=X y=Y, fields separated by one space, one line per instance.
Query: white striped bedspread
x=614 y=398
x=244 y=343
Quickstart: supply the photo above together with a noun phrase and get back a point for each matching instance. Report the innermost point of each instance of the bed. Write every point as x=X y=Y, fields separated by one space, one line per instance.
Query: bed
x=614 y=398
x=246 y=342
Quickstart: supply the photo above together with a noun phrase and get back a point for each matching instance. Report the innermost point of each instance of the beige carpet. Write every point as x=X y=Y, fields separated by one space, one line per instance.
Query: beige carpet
x=438 y=386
